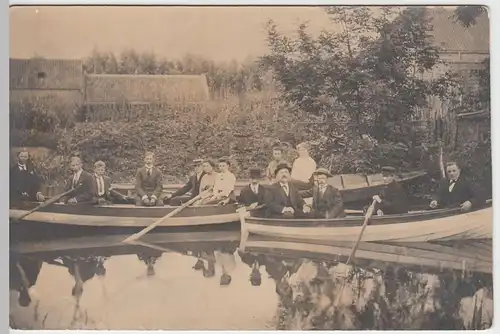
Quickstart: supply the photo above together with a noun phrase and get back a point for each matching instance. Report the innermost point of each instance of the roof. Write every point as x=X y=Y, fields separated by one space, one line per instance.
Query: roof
x=451 y=35
x=40 y=73
x=113 y=88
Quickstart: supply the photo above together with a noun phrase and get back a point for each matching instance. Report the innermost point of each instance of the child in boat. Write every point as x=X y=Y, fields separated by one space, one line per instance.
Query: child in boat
x=104 y=193
x=149 y=183
x=327 y=202
x=392 y=199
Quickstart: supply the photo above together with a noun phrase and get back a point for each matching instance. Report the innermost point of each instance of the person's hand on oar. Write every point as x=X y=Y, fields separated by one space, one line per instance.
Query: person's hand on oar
x=49 y=202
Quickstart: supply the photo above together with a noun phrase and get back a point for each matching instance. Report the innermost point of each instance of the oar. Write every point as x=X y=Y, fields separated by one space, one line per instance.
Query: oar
x=161 y=220
x=368 y=215
x=52 y=200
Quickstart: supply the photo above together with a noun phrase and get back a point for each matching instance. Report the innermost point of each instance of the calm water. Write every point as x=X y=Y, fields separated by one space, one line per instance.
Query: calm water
x=203 y=281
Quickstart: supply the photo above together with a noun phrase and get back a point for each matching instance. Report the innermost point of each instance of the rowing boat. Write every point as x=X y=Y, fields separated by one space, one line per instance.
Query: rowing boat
x=422 y=226
x=470 y=255
x=125 y=215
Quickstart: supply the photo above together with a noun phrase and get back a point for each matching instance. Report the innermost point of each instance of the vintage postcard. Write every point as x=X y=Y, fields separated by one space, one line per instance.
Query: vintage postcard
x=250 y=168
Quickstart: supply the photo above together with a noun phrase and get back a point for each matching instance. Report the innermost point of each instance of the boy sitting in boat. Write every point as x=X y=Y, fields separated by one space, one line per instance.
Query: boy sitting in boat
x=456 y=191
x=148 y=183
x=282 y=199
x=192 y=186
x=326 y=199
x=104 y=193
x=24 y=182
x=223 y=185
x=303 y=168
x=82 y=182
x=393 y=199
x=252 y=195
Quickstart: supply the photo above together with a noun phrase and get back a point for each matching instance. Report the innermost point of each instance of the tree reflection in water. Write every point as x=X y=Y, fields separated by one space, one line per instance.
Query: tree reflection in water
x=393 y=298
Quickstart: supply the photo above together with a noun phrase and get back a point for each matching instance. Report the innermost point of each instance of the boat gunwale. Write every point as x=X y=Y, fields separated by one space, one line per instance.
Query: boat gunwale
x=409 y=217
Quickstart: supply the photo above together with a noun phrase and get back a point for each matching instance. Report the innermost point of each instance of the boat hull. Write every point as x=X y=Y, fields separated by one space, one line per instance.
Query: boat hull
x=447 y=224
x=126 y=215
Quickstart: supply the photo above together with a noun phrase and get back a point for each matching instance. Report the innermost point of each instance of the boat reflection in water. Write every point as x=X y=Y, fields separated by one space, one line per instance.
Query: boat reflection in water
x=201 y=280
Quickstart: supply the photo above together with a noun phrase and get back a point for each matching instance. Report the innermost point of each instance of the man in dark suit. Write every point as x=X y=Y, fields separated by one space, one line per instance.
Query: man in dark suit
x=82 y=182
x=192 y=186
x=104 y=193
x=149 y=183
x=253 y=194
x=327 y=202
x=456 y=191
x=24 y=183
x=282 y=199
x=392 y=199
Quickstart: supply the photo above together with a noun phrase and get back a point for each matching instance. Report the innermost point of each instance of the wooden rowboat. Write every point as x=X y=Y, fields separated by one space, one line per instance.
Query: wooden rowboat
x=443 y=224
x=470 y=255
x=125 y=215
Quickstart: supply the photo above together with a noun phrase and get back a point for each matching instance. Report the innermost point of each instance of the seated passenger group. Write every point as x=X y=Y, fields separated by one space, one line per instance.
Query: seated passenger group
x=283 y=196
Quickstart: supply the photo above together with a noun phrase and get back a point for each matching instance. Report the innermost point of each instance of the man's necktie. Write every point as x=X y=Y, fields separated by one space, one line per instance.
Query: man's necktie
x=285 y=188
x=149 y=172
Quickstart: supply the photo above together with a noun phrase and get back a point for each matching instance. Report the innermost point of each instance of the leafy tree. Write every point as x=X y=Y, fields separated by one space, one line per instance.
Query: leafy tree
x=367 y=76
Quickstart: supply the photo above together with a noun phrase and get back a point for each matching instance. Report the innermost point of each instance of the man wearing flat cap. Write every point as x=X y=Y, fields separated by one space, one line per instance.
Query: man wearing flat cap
x=252 y=195
x=392 y=199
x=327 y=202
x=192 y=186
x=282 y=199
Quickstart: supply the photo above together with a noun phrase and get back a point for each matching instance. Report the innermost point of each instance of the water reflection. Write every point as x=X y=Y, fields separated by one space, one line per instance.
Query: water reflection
x=203 y=281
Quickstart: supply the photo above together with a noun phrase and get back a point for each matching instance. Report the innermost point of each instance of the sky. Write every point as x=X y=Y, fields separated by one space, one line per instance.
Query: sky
x=222 y=33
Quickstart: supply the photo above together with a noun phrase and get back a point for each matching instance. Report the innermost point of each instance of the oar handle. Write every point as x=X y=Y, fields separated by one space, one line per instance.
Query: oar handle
x=48 y=202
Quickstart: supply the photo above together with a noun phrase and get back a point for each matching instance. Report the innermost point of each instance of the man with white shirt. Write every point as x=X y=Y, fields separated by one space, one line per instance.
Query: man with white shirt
x=149 y=183
x=456 y=191
x=105 y=194
x=327 y=201
x=282 y=199
x=24 y=182
x=82 y=182
x=303 y=168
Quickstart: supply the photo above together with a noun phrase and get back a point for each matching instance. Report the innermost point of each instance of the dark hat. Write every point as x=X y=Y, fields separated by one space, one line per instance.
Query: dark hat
x=323 y=171
x=388 y=169
x=282 y=165
x=255 y=173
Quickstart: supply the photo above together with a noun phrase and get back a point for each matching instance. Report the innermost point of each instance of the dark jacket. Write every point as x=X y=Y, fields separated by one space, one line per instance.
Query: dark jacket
x=109 y=194
x=21 y=181
x=192 y=186
x=463 y=191
x=85 y=188
x=394 y=199
x=276 y=200
x=149 y=185
x=247 y=196
x=326 y=205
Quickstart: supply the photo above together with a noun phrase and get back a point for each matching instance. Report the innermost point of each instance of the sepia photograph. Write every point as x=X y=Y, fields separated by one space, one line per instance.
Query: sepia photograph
x=250 y=168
